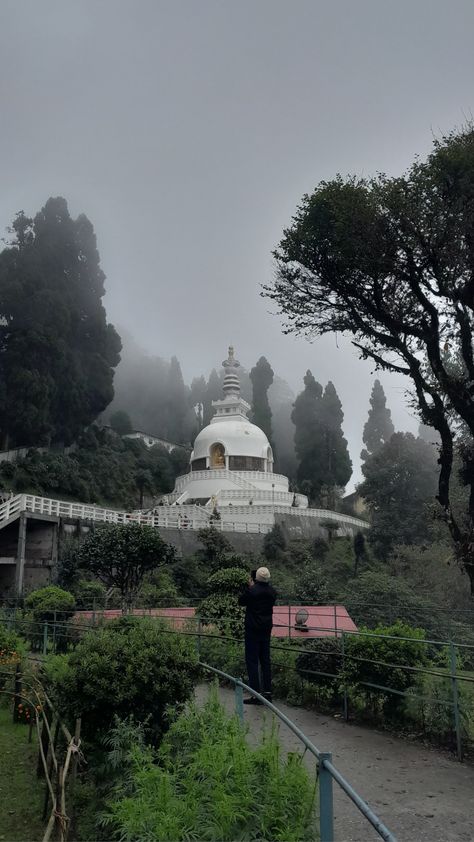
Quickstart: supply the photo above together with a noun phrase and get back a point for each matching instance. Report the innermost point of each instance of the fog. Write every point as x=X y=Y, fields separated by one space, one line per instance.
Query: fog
x=188 y=132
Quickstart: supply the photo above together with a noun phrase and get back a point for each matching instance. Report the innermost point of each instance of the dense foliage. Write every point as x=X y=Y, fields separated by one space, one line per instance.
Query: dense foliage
x=220 y=607
x=130 y=666
x=387 y=657
x=103 y=468
x=57 y=352
x=208 y=782
x=400 y=483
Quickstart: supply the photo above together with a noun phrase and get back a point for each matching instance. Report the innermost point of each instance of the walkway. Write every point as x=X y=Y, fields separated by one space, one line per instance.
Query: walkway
x=421 y=794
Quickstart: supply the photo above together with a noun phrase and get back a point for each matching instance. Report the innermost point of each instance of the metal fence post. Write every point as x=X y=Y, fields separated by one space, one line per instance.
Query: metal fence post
x=199 y=638
x=454 y=686
x=343 y=653
x=45 y=638
x=326 y=812
x=239 y=701
x=54 y=630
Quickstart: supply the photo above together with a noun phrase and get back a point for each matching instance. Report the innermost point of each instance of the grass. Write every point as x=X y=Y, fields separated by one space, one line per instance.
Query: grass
x=21 y=793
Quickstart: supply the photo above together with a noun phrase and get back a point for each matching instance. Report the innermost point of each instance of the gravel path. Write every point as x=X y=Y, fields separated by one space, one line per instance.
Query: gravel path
x=420 y=794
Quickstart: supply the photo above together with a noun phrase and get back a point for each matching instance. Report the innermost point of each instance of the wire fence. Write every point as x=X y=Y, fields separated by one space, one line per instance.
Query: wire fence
x=359 y=672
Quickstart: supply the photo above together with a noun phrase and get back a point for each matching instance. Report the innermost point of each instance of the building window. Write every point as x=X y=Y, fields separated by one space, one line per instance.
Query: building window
x=217 y=454
x=198 y=465
x=246 y=463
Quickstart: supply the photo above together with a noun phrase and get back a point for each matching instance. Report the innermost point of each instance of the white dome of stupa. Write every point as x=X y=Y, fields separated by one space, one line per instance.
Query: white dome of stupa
x=237 y=436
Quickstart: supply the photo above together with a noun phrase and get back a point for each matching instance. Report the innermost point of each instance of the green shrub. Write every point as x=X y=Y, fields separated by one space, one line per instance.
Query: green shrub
x=321 y=664
x=51 y=605
x=130 y=666
x=207 y=782
x=46 y=604
x=377 y=660
x=90 y=594
x=221 y=607
x=157 y=589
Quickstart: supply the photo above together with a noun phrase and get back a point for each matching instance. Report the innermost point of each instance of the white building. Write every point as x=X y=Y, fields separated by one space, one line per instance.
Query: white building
x=232 y=460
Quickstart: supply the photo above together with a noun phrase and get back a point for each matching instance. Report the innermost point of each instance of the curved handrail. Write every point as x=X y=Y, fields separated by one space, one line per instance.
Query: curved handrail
x=327 y=770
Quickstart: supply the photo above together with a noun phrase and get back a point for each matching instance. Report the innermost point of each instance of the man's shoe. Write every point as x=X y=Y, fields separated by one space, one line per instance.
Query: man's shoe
x=252 y=701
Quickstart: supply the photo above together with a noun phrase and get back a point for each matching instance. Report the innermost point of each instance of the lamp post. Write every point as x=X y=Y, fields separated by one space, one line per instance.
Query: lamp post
x=273 y=494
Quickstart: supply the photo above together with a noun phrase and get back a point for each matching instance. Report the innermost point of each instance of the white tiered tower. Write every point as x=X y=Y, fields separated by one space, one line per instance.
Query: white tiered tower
x=232 y=460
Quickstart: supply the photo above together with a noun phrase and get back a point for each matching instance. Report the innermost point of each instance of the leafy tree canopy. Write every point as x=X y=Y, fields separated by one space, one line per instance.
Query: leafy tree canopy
x=57 y=352
x=390 y=262
x=120 y=556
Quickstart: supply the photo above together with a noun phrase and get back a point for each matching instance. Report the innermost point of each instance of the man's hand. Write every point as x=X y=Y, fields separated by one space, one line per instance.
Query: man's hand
x=251 y=582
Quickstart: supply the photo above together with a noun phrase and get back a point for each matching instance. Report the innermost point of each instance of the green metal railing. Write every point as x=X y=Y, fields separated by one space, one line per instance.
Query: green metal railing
x=327 y=772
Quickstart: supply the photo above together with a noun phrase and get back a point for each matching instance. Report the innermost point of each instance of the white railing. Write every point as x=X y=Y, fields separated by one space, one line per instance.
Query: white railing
x=239 y=477
x=168 y=517
x=11 y=508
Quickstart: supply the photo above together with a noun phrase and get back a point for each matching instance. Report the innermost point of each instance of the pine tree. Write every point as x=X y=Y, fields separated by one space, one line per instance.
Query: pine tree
x=379 y=428
x=324 y=462
x=261 y=376
x=336 y=465
x=308 y=436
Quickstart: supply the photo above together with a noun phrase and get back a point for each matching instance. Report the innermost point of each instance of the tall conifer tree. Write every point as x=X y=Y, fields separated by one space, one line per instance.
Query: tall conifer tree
x=308 y=435
x=336 y=465
x=261 y=376
x=57 y=352
x=379 y=428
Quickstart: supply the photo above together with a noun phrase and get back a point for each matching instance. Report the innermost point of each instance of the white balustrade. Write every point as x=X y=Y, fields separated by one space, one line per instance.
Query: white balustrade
x=184 y=517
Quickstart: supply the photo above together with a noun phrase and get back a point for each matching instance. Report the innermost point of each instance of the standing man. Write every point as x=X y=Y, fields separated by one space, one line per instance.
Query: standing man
x=259 y=599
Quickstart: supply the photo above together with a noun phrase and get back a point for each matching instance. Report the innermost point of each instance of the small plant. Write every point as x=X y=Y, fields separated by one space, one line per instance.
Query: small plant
x=208 y=782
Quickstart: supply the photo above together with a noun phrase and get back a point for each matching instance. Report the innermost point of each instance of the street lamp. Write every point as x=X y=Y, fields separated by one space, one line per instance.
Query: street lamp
x=273 y=494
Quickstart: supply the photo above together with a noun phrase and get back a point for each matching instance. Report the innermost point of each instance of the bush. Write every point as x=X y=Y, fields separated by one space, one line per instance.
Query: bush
x=321 y=665
x=130 y=666
x=377 y=660
x=207 y=782
x=90 y=594
x=221 y=606
x=157 y=589
x=49 y=605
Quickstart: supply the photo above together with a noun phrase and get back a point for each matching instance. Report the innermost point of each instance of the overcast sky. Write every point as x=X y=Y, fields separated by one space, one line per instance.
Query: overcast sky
x=188 y=130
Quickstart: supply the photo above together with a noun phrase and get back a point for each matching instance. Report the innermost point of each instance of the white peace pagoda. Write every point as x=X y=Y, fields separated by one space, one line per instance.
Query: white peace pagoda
x=232 y=460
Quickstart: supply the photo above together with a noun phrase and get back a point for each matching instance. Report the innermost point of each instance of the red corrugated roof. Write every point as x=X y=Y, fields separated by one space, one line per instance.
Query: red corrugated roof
x=322 y=621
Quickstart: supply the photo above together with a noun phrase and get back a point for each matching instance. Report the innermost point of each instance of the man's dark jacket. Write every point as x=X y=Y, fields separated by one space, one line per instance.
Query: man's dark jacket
x=259 y=601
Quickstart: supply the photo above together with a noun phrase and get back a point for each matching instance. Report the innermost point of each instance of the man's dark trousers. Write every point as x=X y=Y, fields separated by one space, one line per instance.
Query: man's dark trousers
x=257 y=651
